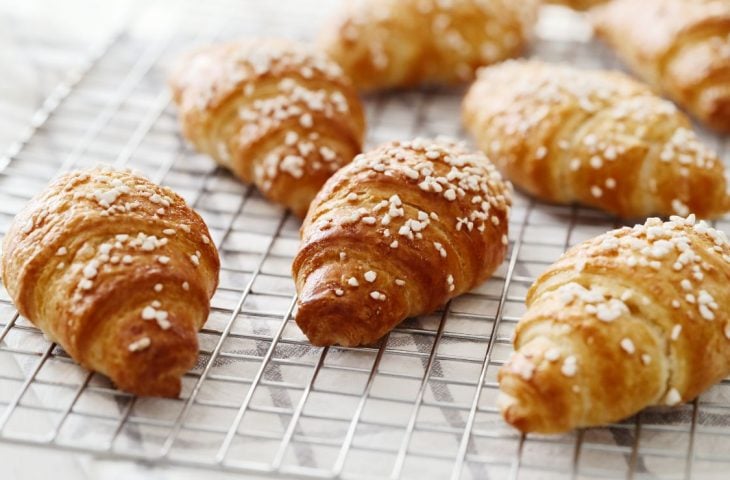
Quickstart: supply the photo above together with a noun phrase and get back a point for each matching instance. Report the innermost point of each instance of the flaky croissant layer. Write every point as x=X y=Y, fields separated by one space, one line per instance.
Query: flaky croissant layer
x=593 y=137
x=403 y=43
x=278 y=114
x=397 y=233
x=118 y=271
x=685 y=51
x=635 y=317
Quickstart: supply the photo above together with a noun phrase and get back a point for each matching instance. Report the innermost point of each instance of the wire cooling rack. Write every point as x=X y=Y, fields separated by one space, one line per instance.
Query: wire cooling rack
x=419 y=404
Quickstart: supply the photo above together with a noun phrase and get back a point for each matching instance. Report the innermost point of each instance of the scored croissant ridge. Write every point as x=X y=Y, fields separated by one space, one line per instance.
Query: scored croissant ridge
x=632 y=318
x=118 y=271
x=402 y=43
x=685 y=50
x=276 y=113
x=397 y=233
x=593 y=137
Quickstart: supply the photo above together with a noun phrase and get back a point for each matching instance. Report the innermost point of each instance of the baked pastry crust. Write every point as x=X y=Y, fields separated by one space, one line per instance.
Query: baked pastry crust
x=598 y=138
x=397 y=233
x=403 y=43
x=681 y=47
x=118 y=271
x=635 y=317
x=276 y=113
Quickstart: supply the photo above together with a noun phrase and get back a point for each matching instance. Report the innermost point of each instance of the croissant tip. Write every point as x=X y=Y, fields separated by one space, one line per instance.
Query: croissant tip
x=512 y=412
x=528 y=409
x=343 y=322
x=321 y=327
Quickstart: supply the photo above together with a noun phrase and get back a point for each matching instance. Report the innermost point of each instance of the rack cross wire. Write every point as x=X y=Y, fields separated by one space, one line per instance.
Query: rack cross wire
x=420 y=403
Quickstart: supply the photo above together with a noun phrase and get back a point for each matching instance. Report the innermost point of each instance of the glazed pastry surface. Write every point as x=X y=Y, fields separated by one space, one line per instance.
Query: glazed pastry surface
x=632 y=318
x=593 y=137
x=277 y=114
x=403 y=43
x=397 y=233
x=119 y=272
x=683 y=50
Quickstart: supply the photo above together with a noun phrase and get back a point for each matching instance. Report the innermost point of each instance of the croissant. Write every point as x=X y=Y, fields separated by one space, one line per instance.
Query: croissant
x=593 y=137
x=403 y=43
x=684 y=50
x=635 y=317
x=396 y=233
x=277 y=114
x=118 y=271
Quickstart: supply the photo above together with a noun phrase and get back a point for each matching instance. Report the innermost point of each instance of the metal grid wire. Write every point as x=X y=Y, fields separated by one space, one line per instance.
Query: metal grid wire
x=420 y=403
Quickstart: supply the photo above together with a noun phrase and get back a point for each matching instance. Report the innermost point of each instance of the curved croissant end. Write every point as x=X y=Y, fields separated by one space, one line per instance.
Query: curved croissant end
x=684 y=53
x=118 y=271
x=278 y=114
x=635 y=317
x=594 y=137
x=402 y=43
x=397 y=233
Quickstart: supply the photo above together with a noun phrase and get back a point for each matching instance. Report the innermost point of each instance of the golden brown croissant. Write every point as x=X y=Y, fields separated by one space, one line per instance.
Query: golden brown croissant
x=594 y=137
x=402 y=43
x=277 y=114
x=118 y=271
x=397 y=233
x=679 y=46
x=635 y=317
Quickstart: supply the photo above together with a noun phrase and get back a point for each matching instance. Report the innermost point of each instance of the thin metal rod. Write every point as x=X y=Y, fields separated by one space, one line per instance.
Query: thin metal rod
x=128 y=408
x=342 y=456
x=514 y=471
x=9 y=326
x=158 y=106
x=56 y=97
x=26 y=384
x=464 y=445
x=219 y=345
x=226 y=445
x=579 y=435
x=410 y=426
x=689 y=463
x=122 y=421
x=67 y=411
x=576 y=453
x=229 y=228
x=291 y=428
x=634 y=458
x=136 y=74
